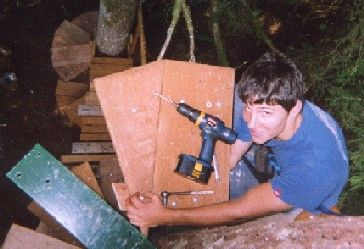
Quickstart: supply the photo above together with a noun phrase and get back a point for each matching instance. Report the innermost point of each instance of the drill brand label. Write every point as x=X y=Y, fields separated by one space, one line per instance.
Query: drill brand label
x=199 y=119
x=196 y=172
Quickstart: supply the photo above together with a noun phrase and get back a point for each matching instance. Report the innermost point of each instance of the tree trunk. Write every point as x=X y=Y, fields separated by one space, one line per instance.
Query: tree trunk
x=277 y=231
x=116 y=18
x=219 y=44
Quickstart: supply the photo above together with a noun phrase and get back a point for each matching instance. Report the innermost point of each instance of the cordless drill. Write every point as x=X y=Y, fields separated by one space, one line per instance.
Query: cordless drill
x=212 y=129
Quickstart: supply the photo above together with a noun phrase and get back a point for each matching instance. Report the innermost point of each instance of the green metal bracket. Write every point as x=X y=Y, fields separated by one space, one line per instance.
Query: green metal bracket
x=74 y=205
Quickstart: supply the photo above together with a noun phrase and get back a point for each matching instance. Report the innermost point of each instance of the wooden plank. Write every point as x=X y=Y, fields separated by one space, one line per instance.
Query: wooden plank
x=64 y=101
x=91 y=98
x=71 y=55
x=149 y=134
x=95 y=137
x=71 y=71
x=24 y=238
x=121 y=193
x=110 y=173
x=70 y=111
x=103 y=66
x=84 y=158
x=131 y=111
x=142 y=43
x=177 y=135
x=89 y=110
x=101 y=70
x=93 y=120
x=92 y=147
x=94 y=128
x=71 y=88
x=112 y=60
x=85 y=174
x=70 y=34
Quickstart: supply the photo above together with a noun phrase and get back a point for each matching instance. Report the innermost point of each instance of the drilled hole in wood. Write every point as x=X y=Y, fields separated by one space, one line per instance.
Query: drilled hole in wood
x=47 y=181
x=18 y=174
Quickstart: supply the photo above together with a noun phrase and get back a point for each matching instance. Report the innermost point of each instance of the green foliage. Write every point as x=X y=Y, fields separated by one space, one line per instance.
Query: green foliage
x=336 y=81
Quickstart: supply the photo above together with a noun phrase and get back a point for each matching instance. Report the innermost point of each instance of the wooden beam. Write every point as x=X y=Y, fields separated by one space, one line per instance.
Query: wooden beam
x=91 y=98
x=121 y=193
x=95 y=137
x=84 y=158
x=92 y=147
x=94 y=128
x=102 y=66
x=110 y=173
x=85 y=174
x=71 y=88
x=70 y=111
x=93 y=120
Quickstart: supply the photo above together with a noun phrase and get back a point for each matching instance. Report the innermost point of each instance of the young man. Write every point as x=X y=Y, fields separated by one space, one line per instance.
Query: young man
x=307 y=145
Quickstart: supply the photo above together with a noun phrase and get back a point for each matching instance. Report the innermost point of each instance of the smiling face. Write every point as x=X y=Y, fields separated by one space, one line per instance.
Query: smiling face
x=267 y=122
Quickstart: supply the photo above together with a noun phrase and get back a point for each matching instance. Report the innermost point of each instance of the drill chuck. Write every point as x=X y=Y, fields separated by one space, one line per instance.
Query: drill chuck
x=189 y=112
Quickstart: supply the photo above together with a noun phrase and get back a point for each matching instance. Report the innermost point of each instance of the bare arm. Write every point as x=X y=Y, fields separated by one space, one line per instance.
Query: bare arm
x=258 y=201
x=238 y=149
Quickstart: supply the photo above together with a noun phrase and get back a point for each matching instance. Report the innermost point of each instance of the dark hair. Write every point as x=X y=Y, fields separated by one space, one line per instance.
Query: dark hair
x=272 y=79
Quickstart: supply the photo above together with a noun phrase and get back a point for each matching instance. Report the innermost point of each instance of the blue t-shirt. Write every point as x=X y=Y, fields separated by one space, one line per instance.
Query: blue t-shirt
x=313 y=163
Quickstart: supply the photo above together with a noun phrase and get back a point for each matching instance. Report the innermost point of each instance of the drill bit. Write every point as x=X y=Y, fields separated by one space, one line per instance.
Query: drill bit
x=166 y=98
x=216 y=168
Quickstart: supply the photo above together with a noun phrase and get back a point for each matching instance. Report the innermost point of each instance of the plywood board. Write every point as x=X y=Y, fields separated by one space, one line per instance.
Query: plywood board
x=148 y=135
x=131 y=112
x=122 y=194
x=206 y=88
x=24 y=238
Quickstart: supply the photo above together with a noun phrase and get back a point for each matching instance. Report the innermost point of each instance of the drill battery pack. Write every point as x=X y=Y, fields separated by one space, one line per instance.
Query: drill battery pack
x=196 y=169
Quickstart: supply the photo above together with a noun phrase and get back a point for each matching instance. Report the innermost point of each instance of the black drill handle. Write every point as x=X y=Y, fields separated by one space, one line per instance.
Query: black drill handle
x=208 y=147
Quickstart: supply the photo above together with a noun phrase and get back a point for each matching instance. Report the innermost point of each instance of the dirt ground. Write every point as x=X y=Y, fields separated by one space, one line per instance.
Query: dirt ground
x=27 y=113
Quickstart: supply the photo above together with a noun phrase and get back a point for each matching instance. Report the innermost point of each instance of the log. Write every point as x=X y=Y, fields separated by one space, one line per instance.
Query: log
x=276 y=231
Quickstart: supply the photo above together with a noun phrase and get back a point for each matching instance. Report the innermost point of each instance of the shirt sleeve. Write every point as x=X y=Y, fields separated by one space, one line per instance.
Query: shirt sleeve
x=303 y=186
x=242 y=129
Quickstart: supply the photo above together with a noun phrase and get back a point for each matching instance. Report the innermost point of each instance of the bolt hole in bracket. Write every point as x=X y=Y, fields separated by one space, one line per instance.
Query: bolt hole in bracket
x=74 y=205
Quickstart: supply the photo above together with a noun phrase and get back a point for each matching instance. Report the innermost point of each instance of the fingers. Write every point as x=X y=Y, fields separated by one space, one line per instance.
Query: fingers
x=151 y=196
